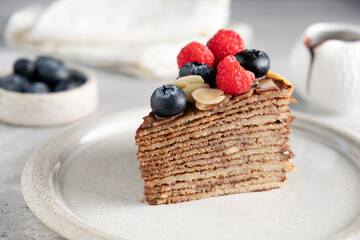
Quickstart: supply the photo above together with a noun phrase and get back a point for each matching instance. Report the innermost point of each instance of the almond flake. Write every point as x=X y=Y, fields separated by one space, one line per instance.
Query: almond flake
x=205 y=107
x=208 y=95
x=192 y=87
x=265 y=85
x=184 y=81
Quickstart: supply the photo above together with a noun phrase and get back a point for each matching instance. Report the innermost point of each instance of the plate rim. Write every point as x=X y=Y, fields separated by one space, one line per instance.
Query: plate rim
x=38 y=195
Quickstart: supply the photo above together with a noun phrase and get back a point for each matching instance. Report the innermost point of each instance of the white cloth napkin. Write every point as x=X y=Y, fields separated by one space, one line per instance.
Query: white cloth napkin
x=142 y=37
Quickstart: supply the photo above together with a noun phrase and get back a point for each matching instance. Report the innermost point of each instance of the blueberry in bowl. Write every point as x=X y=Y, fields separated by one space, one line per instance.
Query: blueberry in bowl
x=76 y=79
x=46 y=91
x=14 y=83
x=51 y=73
x=42 y=59
x=43 y=75
x=24 y=67
x=38 y=88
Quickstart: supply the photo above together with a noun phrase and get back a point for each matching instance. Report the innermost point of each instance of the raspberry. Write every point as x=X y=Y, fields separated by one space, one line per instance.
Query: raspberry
x=195 y=52
x=224 y=43
x=233 y=78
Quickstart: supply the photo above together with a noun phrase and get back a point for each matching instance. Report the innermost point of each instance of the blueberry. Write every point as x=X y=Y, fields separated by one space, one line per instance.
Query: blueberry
x=66 y=85
x=255 y=61
x=195 y=68
x=24 y=67
x=38 y=87
x=14 y=83
x=41 y=59
x=51 y=73
x=168 y=101
x=77 y=77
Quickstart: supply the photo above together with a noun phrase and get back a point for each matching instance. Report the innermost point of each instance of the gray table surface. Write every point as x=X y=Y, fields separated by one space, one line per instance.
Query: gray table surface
x=277 y=25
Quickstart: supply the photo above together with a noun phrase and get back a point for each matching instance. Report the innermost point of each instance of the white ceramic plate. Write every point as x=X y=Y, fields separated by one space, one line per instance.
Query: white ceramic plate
x=85 y=183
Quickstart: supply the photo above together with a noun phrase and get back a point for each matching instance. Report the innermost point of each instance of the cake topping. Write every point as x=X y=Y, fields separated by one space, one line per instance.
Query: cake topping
x=195 y=52
x=208 y=87
x=201 y=69
x=189 y=89
x=168 y=101
x=189 y=84
x=255 y=61
x=224 y=43
x=205 y=107
x=233 y=78
x=265 y=85
x=208 y=96
x=184 y=81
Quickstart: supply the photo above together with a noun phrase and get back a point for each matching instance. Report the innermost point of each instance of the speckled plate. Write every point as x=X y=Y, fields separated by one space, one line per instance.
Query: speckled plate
x=85 y=183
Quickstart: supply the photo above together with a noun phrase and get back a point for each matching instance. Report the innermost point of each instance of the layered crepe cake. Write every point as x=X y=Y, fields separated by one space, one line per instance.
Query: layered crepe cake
x=237 y=144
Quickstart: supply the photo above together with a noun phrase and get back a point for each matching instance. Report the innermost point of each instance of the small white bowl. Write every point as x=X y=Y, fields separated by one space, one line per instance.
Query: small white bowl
x=52 y=108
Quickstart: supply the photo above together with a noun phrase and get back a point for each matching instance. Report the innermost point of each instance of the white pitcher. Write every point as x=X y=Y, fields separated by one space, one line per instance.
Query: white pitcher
x=325 y=67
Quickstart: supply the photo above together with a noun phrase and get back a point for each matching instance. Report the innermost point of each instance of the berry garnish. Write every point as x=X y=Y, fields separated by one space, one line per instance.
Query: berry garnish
x=224 y=43
x=51 y=72
x=168 y=101
x=255 y=61
x=195 y=52
x=201 y=69
x=38 y=87
x=233 y=78
x=14 y=83
x=24 y=67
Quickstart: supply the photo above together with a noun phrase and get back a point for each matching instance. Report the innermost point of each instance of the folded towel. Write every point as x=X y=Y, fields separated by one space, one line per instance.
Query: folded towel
x=138 y=36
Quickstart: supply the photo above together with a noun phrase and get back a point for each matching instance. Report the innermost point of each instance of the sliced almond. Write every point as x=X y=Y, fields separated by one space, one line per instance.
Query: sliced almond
x=205 y=107
x=184 y=81
x=244 y=95
x=181 y=83
x=208 y=95
x=192 y=87
x=193 y=79
x=265 y=85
